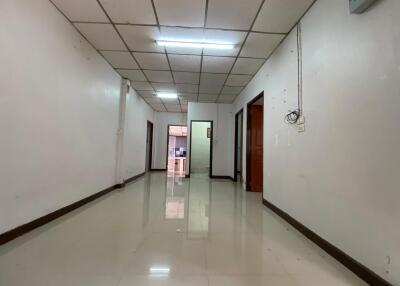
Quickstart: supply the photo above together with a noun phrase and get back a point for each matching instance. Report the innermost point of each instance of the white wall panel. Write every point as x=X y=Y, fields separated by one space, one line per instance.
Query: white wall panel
x=162 y=120
x=138 y=112
x=58 y=114
x=223 y=141
x=340 y=177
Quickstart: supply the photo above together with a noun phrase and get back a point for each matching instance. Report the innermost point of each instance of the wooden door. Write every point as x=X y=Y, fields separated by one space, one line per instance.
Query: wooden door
x=149 y=146
x=256 y=148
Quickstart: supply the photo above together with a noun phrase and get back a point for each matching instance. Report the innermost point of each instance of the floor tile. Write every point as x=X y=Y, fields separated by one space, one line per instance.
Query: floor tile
x=170 y=231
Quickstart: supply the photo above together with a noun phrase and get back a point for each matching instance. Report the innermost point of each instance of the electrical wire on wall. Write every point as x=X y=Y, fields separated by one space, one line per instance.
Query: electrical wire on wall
x=294 y=115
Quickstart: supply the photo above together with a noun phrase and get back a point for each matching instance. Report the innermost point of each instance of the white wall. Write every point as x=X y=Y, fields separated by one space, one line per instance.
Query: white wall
x=340 y=177
x=223 y=133
x=200 y=147
x=138 y=112
x=162 y=120
x=58 y=114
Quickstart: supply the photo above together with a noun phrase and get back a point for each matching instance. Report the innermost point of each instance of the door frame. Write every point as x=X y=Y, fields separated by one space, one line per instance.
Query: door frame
x=150 y=159
x=248 y=141
x=169 y=125
x=211 y=145
x=235 y=177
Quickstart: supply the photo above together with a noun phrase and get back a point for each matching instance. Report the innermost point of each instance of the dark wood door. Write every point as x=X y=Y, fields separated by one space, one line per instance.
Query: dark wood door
x=256 y=148
x=149 y=146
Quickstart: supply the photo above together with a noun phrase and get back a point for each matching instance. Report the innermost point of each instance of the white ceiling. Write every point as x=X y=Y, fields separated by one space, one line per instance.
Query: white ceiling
x=125 y=31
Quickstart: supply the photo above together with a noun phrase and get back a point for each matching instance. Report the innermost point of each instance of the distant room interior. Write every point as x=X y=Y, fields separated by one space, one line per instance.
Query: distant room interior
x=177 y=148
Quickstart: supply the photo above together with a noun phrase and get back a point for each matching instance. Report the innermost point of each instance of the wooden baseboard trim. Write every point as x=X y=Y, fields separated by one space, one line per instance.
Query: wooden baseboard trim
x=356 y=267
x=25 y=228
x=130 y=180
x=158 y=170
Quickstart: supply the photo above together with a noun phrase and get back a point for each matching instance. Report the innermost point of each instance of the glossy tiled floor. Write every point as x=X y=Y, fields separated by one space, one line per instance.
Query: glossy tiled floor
x=170 y=231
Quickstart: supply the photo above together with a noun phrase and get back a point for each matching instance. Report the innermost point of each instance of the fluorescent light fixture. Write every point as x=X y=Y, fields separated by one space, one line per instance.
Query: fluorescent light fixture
x=205 y=45
x=166 y=95
x=159 y=270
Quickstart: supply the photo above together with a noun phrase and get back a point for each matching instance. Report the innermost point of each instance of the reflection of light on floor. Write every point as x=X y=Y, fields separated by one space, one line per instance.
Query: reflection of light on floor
x=175 y=208
x=159 y=271
x=176 y=174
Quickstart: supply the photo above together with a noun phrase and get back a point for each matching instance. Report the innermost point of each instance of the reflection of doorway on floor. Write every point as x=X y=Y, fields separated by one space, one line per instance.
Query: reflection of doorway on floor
x=177 y=146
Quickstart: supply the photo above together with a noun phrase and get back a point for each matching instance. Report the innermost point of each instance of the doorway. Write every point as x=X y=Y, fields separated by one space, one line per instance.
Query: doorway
x=149 y=146
x=238 y=174
x=176 y=150
x=255 y=144
x=201 y=141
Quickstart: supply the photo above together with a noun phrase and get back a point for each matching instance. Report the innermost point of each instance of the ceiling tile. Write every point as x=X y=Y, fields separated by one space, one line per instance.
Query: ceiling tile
x=158 y=107
x=159 y=76
x=141 y=38
x=171 y=101
x=153 y=100
x=224 y=37
x=81 y=10
x=102 y=36
x=247 y=66
x=238 y=80
x=279 y=16
x=208 y=97
x=191 y=88
x=167 y=87
x=186 y=77
x=146 y=93
x=217 y=64
x=235 y=90
x=130 y=11
x=232 y=14
x=226 y=98
x=134 y=75
x=260 y=45
x=207 y=100
x=152 y=61
x=141 y=85
x=171 y=105
x=211 y=83
x=185 y=63
x=174 y=109
x=192 y=97
x=183 y=35
x=121 y=60
x=181 y=12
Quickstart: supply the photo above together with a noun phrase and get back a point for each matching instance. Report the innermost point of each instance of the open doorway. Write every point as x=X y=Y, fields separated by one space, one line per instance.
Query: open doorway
x=238 y=175
x=176 y=150
x=255 y=146
x=201 y=140
x=149 y=146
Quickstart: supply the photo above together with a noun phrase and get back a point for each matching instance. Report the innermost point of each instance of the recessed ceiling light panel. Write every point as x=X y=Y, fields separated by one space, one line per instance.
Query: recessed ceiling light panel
x=205 y=45
x=166 y=95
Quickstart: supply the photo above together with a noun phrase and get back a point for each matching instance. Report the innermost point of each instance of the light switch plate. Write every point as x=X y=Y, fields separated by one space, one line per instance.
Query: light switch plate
x=301 y=127
x=301 y=124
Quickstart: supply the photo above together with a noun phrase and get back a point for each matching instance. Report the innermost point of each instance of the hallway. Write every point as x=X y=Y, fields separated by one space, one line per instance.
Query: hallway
x=226 y=237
